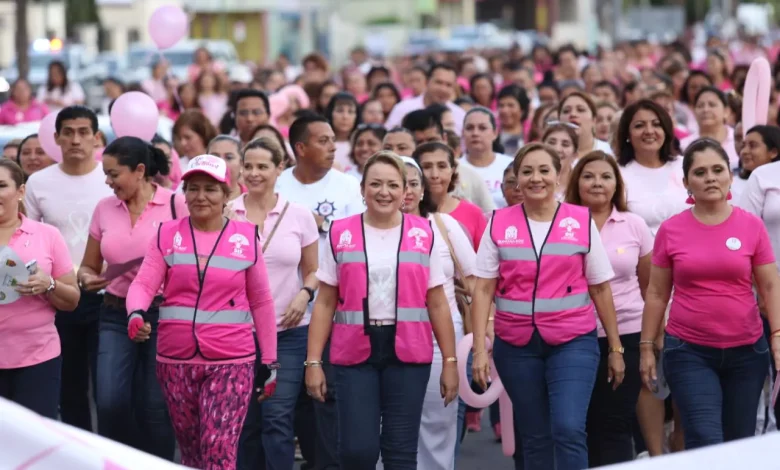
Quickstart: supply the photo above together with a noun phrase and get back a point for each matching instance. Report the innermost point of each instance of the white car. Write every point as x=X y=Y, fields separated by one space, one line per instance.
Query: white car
x=141 y=57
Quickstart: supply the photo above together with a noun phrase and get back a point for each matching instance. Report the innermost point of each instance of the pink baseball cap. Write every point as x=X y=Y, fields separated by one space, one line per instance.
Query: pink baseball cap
x=208 y=165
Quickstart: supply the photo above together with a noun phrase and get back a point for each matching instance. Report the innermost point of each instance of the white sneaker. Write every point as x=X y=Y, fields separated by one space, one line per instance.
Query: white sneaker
x=643 y=455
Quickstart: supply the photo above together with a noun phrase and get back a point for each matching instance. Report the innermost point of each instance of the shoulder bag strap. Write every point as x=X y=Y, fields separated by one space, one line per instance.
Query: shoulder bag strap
x=276 y=225
x=173 y=206
x=445 y=235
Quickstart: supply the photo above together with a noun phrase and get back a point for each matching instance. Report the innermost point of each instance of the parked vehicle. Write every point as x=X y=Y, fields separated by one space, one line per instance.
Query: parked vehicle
x=141 y=57
x=79 y=63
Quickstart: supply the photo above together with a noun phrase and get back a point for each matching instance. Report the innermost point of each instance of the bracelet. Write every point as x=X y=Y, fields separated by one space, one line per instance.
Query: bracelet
x=647 y=342
x=312 y=363
x=775 y=332
x=491 y=318
x=479 y=352
x=451 y=359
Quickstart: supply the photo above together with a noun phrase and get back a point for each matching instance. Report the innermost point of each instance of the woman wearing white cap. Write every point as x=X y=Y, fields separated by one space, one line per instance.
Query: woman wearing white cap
x=438 y=426
x=215 y=289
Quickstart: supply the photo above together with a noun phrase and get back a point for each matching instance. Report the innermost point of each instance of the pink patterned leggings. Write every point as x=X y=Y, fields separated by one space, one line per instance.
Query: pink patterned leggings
x=207 y=404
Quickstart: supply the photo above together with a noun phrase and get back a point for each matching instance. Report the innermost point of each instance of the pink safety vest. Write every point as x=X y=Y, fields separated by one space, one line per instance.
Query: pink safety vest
x=209 y=314
x=550 y=292
x=349 y=343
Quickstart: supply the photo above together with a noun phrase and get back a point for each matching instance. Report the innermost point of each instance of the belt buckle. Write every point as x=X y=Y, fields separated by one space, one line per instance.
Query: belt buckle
x=381 y=322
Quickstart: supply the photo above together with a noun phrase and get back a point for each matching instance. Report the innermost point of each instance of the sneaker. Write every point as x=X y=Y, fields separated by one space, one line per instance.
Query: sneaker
x=643 y=455
x=497 y=431
x=298 y=453
x=473 y=419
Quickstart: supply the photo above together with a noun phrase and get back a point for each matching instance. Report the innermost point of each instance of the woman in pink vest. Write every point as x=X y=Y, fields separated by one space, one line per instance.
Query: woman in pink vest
x=715 y=354
x=130 y=404
x=215 y=290
x=381 y=294
x=596 y=184
x=30 y=363
x=290 y=239
x=544 y=264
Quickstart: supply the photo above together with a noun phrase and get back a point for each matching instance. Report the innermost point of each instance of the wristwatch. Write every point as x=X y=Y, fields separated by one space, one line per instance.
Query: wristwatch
x=325 y=226
x=619 y=350
x=309 y=291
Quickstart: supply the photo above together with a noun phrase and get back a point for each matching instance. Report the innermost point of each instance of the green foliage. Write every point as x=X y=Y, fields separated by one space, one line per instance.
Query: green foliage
x=78 y=12
x=383 y=21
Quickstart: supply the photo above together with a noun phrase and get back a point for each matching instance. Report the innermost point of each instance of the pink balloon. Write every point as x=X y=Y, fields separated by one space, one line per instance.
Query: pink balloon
x=168 y=25
x=135 y=114
x=755 y=101
x=494 y=392
x=46 y=132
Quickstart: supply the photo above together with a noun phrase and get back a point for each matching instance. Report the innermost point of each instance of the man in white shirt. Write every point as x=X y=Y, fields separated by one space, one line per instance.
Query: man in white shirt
x=442 y=79
x=65 y=196
x=331 y=195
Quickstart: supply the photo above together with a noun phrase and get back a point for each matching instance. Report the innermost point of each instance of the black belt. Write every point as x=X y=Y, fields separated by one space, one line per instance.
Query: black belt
x=113 y=301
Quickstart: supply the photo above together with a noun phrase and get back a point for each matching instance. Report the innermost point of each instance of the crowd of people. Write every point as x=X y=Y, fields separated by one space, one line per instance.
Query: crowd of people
x=604 y=225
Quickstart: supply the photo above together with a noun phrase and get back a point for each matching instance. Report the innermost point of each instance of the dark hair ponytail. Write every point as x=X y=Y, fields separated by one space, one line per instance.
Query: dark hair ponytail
x=132 y=151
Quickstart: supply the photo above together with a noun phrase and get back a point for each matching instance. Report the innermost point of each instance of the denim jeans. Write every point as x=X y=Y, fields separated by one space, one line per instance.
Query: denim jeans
x=130 y=405
x=380 y=407
x=267 y=440
x=78 y=332
x=611 y=413
x=716 y=390
x=35 y=387
x=550 y=389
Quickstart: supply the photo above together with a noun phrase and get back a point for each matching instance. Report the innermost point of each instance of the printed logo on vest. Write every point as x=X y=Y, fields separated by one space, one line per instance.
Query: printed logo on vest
x=239 y=241
x=177 y=241
x=345 y=240
x=570 y=225
x=510 y=237
x=418 y=234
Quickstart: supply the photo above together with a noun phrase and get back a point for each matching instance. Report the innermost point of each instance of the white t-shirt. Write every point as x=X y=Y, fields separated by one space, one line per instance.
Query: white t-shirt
x=461 y=244
x=66 y=202
x=493 y=175
x=598 y=269
x=761 y=197
x=72 y=95
x=655 y=194
x=334 y=197
x=382 y=266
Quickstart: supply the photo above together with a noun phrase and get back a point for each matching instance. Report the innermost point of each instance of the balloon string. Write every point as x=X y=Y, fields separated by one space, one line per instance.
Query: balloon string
x=168 y=77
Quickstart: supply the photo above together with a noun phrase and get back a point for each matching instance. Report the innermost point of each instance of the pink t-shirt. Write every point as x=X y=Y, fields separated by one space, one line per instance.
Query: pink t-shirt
x=626 y=238
x=27 y=328
x=712 y=273
x=382 y=267
x=297 y=230
x=472 y=219
x=119 y=242
x=11 y=114
x=150 y=277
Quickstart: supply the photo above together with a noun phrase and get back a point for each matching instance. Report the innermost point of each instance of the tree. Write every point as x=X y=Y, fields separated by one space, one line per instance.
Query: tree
x=79 y=12
x=21 y=40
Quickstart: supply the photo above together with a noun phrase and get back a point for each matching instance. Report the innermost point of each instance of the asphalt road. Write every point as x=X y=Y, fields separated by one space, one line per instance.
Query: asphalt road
x=479 y=451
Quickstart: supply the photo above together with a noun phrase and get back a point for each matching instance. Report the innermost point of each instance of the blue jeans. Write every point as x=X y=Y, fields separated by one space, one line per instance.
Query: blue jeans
x=380 y=407
x=78 y=332
x=267 y=440
x=716 y=390
x=35 y=387
x=550 y=389
x=130 y=404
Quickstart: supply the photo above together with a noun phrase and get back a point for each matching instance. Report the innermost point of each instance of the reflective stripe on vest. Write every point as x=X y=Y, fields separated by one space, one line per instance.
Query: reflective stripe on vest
x=403 y=257
x=223 y=317
x=529 y=254
x=355 y=317
x=220 y=262
x=519 y=307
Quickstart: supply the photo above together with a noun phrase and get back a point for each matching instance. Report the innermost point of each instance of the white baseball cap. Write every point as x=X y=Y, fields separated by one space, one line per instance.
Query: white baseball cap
x=208 y=165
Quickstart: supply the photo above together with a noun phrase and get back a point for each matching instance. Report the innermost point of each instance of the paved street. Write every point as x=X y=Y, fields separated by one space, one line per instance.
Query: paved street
x=479 y=451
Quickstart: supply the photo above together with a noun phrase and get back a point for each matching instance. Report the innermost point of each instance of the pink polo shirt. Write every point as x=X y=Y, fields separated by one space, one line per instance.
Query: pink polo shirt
x=27 y=329
x=297 y=230
x=11 y=114
x=712 y=274
x=120 y=242
x=626 y=238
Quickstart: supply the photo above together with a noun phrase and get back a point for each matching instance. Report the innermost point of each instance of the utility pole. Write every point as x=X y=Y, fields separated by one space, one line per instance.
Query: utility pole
x=21 y=39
